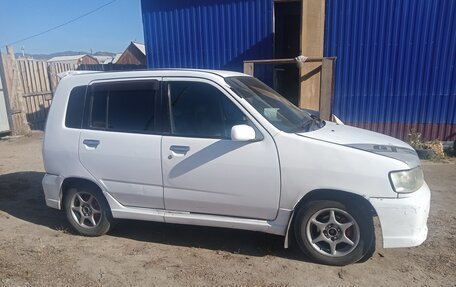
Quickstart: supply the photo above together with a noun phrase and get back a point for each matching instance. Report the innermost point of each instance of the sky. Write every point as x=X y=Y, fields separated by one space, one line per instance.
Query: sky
x=110 y=29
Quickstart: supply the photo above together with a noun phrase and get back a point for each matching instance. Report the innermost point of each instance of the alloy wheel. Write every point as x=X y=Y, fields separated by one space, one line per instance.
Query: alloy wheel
x=333 y=232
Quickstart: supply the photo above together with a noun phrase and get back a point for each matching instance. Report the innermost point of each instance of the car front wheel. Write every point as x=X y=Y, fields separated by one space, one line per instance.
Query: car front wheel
x=334 y=233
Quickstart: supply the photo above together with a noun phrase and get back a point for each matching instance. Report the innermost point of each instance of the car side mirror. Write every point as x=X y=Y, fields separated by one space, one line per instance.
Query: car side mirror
x=242 y=133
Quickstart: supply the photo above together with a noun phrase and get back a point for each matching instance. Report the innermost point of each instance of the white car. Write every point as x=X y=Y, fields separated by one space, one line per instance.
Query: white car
x=219 y=148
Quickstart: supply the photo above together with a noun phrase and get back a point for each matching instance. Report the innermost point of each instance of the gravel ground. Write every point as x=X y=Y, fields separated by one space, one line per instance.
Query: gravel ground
x=37 y=247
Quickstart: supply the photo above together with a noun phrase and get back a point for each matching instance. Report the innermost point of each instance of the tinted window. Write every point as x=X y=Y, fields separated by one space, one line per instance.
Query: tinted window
x=75 y=107
x=201 y=110
x=124 y=107
x=99 y=109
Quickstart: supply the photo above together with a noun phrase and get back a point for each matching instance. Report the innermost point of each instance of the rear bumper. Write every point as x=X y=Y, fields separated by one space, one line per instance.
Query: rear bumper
x=51 y=186
x=404 y=219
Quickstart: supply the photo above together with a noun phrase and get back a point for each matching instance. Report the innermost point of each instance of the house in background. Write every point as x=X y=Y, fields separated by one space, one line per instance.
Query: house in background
x=395 y=59
x=112 y=60
x=104 y=59
x=135 y=54
x=75 y=60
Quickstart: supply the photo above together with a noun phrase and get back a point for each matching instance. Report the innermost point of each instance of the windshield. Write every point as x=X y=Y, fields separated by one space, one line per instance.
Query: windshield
x=272 y=106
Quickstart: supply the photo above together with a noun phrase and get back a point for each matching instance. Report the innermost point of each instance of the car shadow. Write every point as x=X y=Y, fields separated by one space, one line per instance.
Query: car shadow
x=21 y=196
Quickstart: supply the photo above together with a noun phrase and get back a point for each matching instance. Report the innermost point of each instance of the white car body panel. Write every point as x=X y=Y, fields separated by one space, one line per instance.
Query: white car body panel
x=308 y=164
x=343 y=135
x=222 y=177
x=127 y=165
x=403 y=220
x=254 y=185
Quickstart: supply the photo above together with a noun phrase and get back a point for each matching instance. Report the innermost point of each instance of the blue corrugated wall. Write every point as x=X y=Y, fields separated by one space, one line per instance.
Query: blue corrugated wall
x=207 y=33
x=395 y=64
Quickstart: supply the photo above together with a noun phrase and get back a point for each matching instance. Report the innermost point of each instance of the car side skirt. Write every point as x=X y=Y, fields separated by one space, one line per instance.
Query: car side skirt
x=277 y=226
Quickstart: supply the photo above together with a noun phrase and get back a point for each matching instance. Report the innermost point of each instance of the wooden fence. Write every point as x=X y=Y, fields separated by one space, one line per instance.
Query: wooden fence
x=39 y=80
x=32 y=84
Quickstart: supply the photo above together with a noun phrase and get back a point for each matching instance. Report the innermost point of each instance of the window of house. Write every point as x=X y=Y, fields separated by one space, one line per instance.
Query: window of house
x=201 y=110
x=124 y=106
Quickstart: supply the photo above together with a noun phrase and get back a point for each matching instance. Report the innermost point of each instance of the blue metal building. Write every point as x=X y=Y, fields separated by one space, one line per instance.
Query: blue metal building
x=206 y=33
x=395 y=58
x=395 y=64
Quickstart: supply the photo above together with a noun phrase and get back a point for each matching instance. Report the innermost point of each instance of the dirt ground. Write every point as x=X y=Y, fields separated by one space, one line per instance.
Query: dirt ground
x=37 y=247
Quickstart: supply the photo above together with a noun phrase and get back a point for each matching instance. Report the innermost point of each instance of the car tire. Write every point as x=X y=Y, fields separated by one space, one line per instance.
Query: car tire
x=334 y=233
x=87 y=211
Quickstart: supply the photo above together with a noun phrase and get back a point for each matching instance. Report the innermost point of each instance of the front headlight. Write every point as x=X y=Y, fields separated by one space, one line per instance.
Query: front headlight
x=406 y=181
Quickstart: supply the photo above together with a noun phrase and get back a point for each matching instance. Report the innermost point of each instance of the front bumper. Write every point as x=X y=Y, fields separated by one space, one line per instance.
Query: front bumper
x=51 y=186
x=403 y=220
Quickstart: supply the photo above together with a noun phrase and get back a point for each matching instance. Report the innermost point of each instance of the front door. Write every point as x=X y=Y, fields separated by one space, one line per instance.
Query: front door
x=121 y=142
x=204 y=171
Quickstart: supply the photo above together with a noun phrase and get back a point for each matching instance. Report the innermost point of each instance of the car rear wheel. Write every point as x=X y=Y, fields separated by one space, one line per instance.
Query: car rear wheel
x=87 y=211
x=334 y=233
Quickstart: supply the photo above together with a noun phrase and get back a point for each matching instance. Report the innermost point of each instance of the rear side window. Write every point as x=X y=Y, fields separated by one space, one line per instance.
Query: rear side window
x=124 y=106
x=75 y=108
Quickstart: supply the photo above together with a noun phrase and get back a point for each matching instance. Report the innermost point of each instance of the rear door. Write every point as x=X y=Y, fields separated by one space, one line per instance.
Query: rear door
x=205 y=171
x=121 y=142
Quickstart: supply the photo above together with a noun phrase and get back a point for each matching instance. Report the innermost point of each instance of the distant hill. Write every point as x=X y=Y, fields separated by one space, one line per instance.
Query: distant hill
x=65 y=53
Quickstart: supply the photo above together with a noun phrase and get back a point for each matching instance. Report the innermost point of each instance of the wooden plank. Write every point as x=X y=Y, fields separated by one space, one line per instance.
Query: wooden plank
x=33 y=111
x=312 y=39
x=44 y=79
x=249 y=68
x=42 y=111
x=22 y=74
x=25 y=77
x=39 y=67
x=28 y=104
x=43 y=69
x=327 y=88
x=44 y=93
x=285 y=61
x=47 y=77
x=27 y=85
x=27 y=82
x=37 y=76
x=53 y=76
x=28 y=70
x=32 y=78
x=41 y=75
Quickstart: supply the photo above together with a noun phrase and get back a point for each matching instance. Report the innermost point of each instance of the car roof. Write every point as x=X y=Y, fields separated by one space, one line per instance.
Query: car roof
x=155 y=72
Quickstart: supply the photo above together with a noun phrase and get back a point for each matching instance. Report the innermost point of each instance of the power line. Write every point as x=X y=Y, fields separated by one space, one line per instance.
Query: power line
x=61 y=25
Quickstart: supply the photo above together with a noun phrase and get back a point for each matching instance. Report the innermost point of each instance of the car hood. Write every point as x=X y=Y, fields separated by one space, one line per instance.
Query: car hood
x=365 y=140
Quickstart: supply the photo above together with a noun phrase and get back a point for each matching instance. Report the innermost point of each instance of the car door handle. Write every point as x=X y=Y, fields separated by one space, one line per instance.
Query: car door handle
x=179 y=149
x=91 y=143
